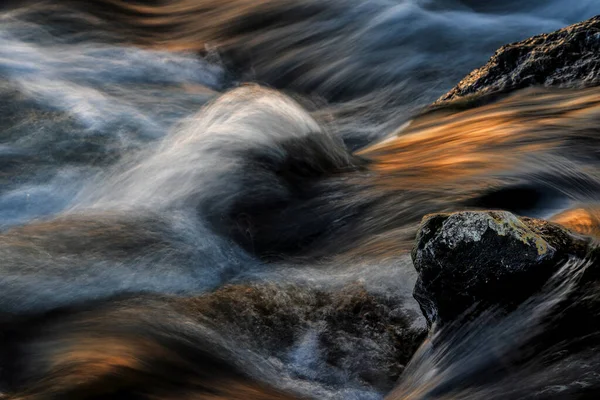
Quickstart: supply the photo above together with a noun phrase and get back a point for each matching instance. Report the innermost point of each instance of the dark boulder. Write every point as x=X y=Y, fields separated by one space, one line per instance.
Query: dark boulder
x=569 y=57
x=473 y=259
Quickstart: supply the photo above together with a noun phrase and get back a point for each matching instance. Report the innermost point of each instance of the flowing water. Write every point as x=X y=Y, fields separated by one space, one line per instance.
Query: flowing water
x=139 y=157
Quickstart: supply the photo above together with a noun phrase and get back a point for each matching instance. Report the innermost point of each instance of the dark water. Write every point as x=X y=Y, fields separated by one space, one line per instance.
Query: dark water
x=135 y=160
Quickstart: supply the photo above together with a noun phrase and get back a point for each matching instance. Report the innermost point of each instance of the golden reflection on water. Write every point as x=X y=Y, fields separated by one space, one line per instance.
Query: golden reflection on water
x=507 y=135
x=448 y=160
x=582 y=220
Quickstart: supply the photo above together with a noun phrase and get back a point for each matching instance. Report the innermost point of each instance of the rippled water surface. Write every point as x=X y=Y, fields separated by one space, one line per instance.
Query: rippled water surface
x=308 y=186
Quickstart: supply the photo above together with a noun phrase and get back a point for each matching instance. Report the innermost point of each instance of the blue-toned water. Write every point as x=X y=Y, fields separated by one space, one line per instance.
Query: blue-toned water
x=160 y=121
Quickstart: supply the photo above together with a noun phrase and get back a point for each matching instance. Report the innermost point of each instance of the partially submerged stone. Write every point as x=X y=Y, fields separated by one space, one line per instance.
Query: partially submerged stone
x=482 y=258
x=569 y=57
x=364 y=337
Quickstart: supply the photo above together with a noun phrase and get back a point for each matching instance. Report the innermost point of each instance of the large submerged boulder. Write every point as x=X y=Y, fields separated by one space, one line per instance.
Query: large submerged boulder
x=347 y=334
x=569 y=57
x=476 y=259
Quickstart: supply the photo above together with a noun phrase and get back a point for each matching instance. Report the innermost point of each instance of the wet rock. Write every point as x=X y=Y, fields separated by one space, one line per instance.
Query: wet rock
x=339 y=336
x=569 y=57
x=474 y=259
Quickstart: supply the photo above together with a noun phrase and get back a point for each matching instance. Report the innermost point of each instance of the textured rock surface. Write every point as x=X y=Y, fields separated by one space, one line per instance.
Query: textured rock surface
x=569 y=57
x=348 y=333
x=486 y=258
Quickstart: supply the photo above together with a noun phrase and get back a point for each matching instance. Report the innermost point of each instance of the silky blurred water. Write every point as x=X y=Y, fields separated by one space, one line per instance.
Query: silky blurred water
x=101 y=124
x=73 y=106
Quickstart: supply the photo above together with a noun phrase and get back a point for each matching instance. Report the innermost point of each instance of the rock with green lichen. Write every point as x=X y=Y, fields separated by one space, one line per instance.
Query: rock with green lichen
x=473 y=259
